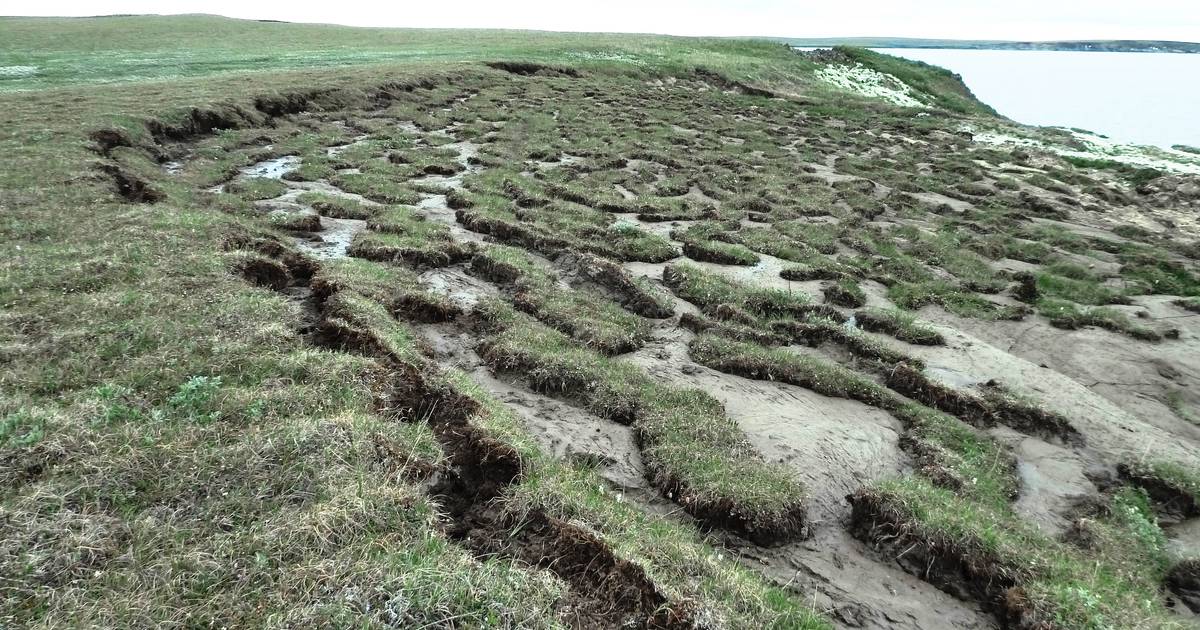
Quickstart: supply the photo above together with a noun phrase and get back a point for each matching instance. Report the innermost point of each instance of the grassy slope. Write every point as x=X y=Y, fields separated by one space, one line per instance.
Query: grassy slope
x=134 y=364
x=69 y=51
x=135 y=367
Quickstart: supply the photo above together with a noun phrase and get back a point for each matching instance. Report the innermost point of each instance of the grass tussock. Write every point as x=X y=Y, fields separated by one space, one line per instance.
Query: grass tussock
x=397 y=234
x=710 y=291
x=1071 y=316
x=1173 y=488
x=590 y=319
x=899 y=324
x=987 y=553
x=396 y=288
x=335 y=206
x=697 y=454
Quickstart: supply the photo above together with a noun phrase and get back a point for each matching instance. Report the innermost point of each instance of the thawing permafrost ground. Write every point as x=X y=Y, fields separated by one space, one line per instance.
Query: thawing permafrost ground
x=833 y=445
x=707 y=358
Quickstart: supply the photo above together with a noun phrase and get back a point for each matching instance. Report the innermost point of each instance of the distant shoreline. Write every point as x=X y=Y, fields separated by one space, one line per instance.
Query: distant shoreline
x=1139 y=46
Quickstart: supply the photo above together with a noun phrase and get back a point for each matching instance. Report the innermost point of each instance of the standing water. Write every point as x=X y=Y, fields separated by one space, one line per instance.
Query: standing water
x=1139 y=98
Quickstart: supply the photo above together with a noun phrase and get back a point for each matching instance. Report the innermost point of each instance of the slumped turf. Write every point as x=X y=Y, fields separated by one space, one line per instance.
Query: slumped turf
x=698 y=456
x=202 y=426
x=593 y=321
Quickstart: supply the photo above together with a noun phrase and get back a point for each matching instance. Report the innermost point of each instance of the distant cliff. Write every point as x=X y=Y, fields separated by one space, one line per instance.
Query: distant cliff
x=970 y=44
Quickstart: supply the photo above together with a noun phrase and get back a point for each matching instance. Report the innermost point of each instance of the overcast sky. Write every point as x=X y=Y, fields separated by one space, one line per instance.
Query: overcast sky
x=959 y=19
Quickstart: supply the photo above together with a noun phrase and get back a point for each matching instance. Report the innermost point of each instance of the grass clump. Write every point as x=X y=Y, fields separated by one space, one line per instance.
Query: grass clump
x=1174 y=488
x=1161 y=277
x=949 y=451
x=376 y=187
x=256 y=188
x=822 y=237
x=818 y=267
x=702 y=242
x=1071 y=316
x=899 y=324
x=908 y=295
x=846 y=293
x=398 y=234
x=396 y=288
x=1111 y=581
x=774 y=243
x=1136 y=176
x=779 y=364
x=672 y=554
x=698 y=455
x=718 y=252
x=336 y=206
x=816 y=329
x=710 y=291
x=1081 y=288
x=594 y=321
x=296 y=220
x=557 y=227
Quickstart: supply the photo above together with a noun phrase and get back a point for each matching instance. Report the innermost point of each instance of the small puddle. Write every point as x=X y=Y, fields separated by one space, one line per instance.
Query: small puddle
x=334 y=238
x=272 y=169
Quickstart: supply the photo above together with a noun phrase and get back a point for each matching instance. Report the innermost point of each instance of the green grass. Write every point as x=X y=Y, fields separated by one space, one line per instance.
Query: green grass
x=594 y=321
x=255 y=188
x=1182 y=479
x=551 y=227
x=377 y=187
x=951 y=452
x=669 y=552
x=779 y=364
x=1065 y=314
x=398 y=233
x=695 y=449
x=181 y=447
x=673 y=555
x=1082 y=291
x=1134 y=175
x=845 y=292
x=709 y=290
x=946 y=88
x=1162 y=277
x=1113 y=583
x=148 y=48
x=963 y=303
x=899 y=324
x=336 y=206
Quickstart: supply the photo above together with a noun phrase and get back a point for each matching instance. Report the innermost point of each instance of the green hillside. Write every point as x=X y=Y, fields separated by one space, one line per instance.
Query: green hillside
x=313 y=326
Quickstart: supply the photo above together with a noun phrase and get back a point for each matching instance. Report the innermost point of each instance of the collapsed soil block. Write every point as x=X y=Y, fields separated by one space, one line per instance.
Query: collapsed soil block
x=1173 y=500
x=995 y=408
x=1184 y=581
x=920 y=336
x=700 y=324
x=960 y=566
x=633 y=296
x=845 y=294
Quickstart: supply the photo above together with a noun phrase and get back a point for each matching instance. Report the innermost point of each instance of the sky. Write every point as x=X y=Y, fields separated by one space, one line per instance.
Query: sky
x=954 y=19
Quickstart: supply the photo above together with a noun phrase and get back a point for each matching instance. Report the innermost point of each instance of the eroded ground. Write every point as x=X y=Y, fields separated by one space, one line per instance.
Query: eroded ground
x=915 y=380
